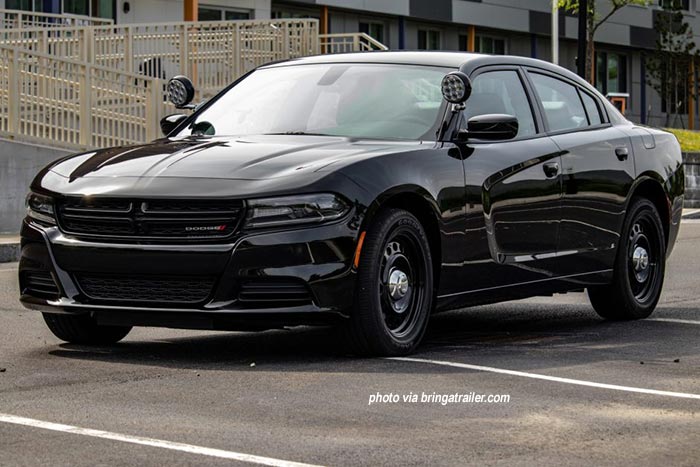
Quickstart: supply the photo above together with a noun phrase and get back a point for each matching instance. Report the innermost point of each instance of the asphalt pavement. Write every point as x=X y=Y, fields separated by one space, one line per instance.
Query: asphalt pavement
x=573 y=390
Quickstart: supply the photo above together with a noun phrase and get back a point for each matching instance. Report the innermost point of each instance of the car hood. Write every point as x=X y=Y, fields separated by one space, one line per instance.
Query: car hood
x=262 y=157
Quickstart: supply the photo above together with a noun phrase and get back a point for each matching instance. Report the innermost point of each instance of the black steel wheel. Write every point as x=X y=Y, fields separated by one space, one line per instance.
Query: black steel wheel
x=83 y=329
x=394 y=292
x=639 y=267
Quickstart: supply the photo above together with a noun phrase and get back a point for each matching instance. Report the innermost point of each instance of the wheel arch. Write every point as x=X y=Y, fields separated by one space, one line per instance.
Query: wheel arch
x=651 y=187
x=421 y=204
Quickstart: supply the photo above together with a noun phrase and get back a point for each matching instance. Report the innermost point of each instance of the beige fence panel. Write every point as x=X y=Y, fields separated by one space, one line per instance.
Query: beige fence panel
x=212 y=53
x=97 y=86
x=18 y=19
x=351 y=42
x=70 y=43
x=75 y=104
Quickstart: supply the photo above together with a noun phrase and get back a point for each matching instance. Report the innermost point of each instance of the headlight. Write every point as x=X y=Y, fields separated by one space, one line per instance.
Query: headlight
x=292 y=210
x=40 y=208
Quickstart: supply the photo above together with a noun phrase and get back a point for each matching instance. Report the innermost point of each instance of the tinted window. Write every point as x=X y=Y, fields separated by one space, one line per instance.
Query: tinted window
x=591 y=109
x=501 y=92
x=563 y=109
x=362 y=100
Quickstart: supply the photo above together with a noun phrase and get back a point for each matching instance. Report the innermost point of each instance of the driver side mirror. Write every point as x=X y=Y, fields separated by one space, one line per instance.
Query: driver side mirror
x=491 y=127
x=170 y=122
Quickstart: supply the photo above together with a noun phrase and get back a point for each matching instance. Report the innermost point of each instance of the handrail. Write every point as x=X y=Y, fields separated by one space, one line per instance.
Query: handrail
x=349 y=42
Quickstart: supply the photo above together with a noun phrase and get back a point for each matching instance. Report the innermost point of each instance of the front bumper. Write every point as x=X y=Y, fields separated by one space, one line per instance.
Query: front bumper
x=317 y=259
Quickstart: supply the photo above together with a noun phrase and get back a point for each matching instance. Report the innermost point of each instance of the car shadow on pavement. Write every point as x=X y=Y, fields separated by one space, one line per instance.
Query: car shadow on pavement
x=541 y=335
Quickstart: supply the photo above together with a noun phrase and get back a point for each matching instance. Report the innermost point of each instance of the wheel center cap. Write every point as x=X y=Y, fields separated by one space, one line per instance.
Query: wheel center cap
x=640 y=259
x=398 y=284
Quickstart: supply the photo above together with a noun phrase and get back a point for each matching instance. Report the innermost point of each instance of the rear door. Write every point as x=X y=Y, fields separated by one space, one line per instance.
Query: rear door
x=597 y=172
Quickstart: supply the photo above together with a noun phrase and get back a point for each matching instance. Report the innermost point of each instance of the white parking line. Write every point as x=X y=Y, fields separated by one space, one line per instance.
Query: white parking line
x=673 y=320
x=189 y=448
x=523 y=374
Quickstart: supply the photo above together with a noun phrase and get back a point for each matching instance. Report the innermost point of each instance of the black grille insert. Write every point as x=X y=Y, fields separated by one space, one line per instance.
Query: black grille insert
x=112 y=288
x=292 y=292
x=149 y=219
x=39 y=284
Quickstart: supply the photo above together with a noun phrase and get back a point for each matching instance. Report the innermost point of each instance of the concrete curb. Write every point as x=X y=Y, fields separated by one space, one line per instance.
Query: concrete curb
x=9 y=252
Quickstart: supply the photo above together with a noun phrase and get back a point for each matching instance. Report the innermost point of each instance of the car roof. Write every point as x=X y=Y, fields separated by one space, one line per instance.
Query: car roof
x=464 y=61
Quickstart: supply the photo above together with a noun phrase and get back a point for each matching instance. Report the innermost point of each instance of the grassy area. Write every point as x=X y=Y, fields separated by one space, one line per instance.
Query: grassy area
x=690 y=140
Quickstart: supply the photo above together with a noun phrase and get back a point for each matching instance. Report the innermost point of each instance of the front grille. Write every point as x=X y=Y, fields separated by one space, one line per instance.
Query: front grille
x=287 y=291
x=149 y=219
x=167 y=290
x=39 y=284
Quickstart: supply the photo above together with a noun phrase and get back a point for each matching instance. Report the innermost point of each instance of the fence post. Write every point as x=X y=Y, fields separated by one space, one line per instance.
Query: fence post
x=286 y=38
x=85 y=137
x=184 y=51
x=13 y=74
x=88 y=49
x=128 y=50
x=152 y=109
x=237 y=51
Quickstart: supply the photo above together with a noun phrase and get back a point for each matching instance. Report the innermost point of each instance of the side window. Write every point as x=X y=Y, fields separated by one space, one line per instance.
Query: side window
x=501 y=92
x=562 y=106
x=592 y=109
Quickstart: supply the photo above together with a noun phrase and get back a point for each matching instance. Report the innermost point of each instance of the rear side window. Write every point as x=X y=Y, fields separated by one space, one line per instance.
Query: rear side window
x=562 y=106
x=501 y=92
x=592 y=109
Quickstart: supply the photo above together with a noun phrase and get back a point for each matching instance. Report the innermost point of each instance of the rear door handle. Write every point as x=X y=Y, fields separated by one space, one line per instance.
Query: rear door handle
x=551 y=169
x=622 y=153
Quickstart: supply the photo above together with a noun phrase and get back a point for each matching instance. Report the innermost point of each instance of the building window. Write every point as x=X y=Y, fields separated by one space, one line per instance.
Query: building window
x=375 y=30
x=611 y=72
x=77 y=7
x=428 y=39
x=26 y=5
x=97 y=8
x=490 y=45
x=672 y=4
x=210 y=13
x=283 y=13
x=463 y=43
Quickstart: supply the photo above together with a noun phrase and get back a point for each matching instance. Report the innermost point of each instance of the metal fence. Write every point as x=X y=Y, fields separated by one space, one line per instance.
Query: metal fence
x=75 y=104
x=212 y=53
x=19 y=19
x=97 y=86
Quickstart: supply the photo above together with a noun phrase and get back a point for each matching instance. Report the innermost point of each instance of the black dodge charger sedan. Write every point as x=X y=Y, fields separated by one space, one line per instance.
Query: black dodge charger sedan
x=366 y=191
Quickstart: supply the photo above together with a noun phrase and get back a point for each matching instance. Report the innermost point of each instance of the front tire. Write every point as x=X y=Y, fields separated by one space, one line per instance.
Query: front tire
x=640 y=266
x=394 y=294
x=83 y=329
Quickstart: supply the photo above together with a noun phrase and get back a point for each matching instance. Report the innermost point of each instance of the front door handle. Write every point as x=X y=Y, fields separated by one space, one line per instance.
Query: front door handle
x=622 y=153
x=551 y=169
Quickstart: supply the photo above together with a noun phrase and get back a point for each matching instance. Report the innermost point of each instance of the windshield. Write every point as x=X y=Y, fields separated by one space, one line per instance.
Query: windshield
x=358 y=100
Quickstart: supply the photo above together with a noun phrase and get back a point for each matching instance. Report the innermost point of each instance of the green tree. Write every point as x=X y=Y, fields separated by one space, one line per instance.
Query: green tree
x=673 y=61
x=594 y=21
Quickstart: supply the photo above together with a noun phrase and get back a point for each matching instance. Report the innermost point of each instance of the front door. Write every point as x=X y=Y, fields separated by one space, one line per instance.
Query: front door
x=513 y=190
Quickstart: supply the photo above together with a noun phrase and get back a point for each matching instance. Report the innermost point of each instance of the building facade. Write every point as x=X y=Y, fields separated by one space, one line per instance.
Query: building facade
x=515 y=27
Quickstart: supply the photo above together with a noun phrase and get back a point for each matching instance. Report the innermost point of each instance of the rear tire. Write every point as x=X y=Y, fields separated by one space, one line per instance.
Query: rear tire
x=82 y=329
x=640 y=266
x=394 y=293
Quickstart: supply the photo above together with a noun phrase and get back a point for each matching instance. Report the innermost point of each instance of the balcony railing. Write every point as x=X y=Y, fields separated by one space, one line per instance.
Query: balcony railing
x=351 y=42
